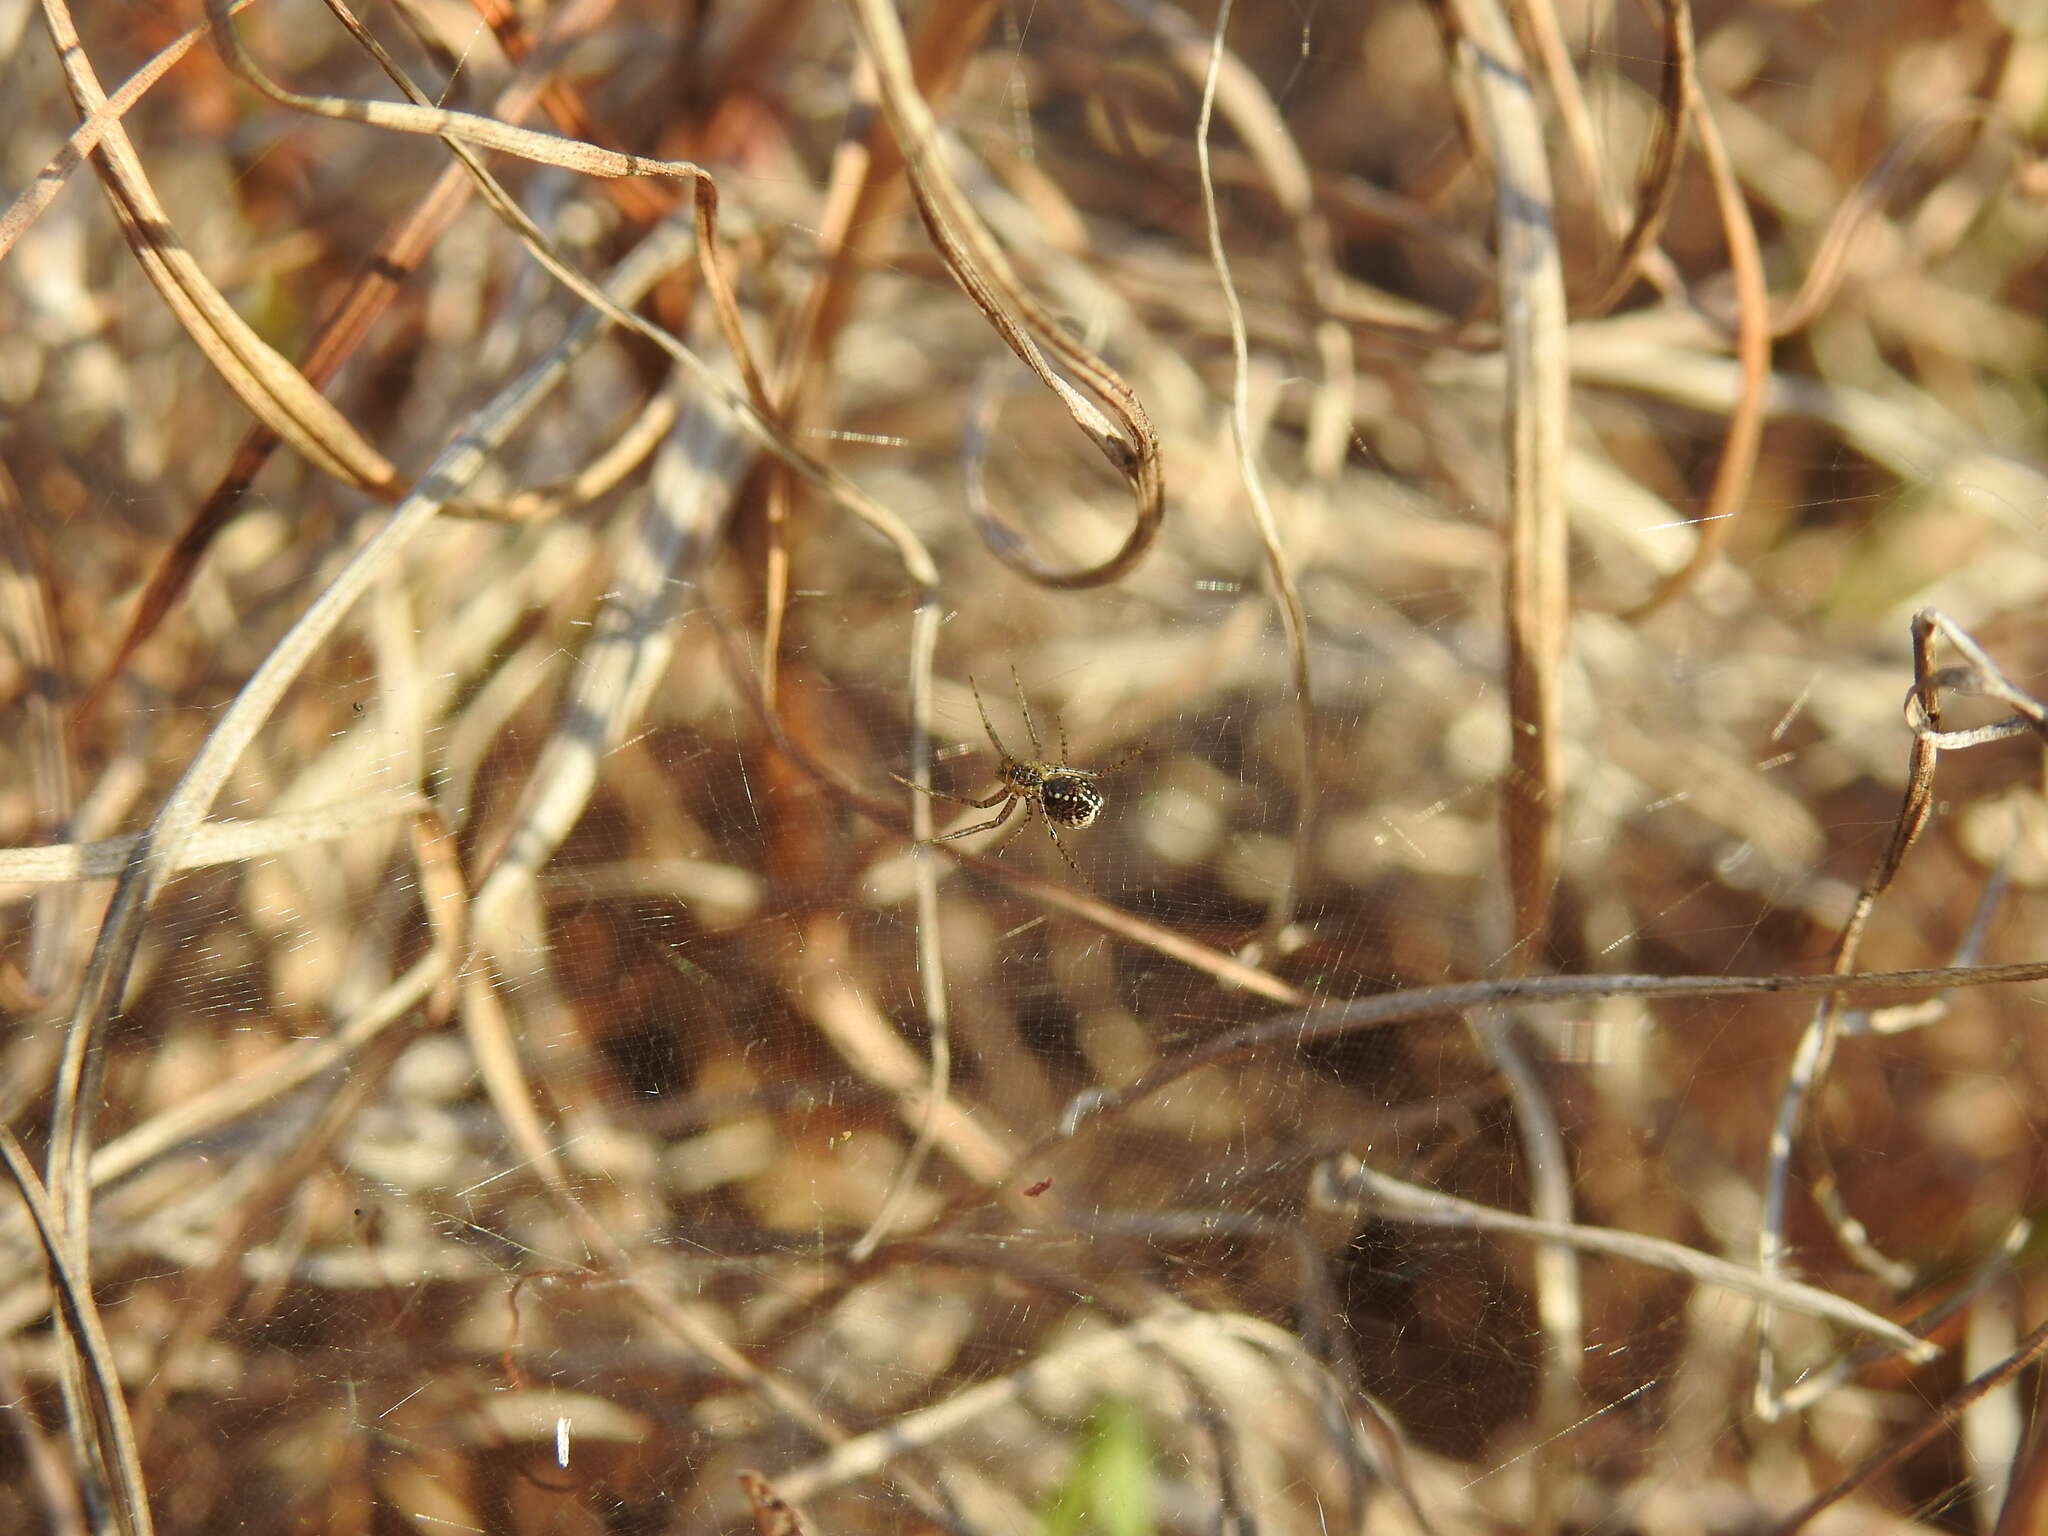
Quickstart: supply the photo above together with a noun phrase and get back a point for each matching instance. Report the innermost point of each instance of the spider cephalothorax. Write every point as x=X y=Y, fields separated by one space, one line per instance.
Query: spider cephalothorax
x=1065 y=795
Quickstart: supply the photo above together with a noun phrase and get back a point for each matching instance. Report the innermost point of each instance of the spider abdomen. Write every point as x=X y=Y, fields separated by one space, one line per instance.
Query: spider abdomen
x=1071 y=799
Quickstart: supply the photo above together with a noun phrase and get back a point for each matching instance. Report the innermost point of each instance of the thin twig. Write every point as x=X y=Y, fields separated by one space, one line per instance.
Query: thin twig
x=1280 y=903
x=1744 y=437
x=1534 y=345
x=158 y=849
x=1351 y=1180
x=116 y=1497
x=983 y=272
x=2031 y=1348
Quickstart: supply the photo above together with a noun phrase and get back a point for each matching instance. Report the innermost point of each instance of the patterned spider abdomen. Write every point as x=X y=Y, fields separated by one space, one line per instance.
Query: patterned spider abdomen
x=1071 y=799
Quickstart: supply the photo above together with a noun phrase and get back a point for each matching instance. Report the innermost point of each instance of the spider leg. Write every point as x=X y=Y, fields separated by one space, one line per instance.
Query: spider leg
x=1132 y=755
x=988 y=725
x=1053 y=832
x=939 y=794
x=985 y=826
x=1024 y=704
x=1010 y=836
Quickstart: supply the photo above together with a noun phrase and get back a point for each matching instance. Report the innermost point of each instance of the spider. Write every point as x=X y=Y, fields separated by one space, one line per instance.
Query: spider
x=1066 y=796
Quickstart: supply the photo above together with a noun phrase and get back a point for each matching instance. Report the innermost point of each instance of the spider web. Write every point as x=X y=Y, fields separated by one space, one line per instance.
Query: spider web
x=539 y=1129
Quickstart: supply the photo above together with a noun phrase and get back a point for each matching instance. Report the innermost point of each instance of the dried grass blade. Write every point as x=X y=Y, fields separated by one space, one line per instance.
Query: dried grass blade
x=694 y=481
x=2031 y=1348
x=1994 y=1267
x=983 y=272
x=395 y=258
x=1411 y=1202
x=1659 y=184
x=560 y=99
x=1816 y=1048
x=85 y=138
x=1824 y=274
x=931 y=954
x=471 y=128
x=429 y=982
x=624 y=451
x=115 y=1495
x=1540 y=24
x=441 y=897
x=460 y=129
x=30 y=618
x=1537 y=352
x=1221 y=966
x=214 y=842
x=865 y=189
x=158 y=849
x=490 y=1034
x=849 y=1021
x=1560 y=1301
x=289 y=1069
x=1250 y=109
x=1286 y=593
x=1737 y=464
x=47 y=1472
x=275 y=392
x=923 y=1428
x=1331 y=1020
x=718 y=281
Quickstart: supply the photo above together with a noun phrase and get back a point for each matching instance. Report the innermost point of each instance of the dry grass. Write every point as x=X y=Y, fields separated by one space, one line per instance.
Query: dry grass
x=491 y=1043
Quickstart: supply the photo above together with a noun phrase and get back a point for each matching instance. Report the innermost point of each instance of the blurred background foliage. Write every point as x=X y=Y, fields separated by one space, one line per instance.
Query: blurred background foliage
x=540 y=1128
